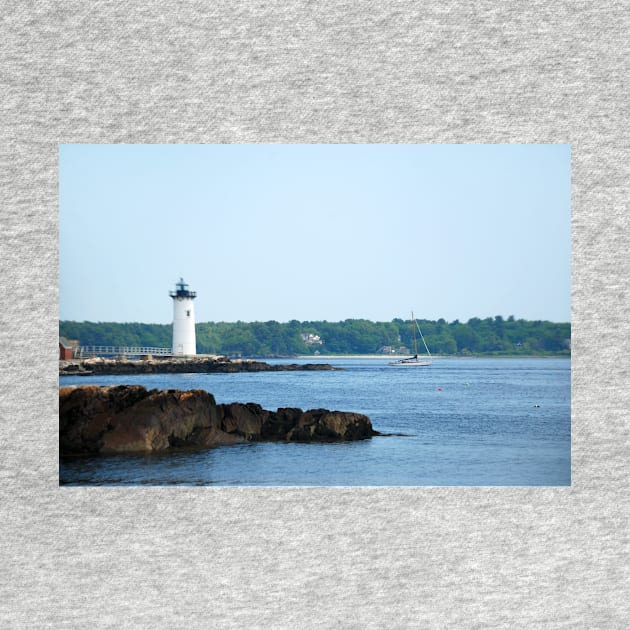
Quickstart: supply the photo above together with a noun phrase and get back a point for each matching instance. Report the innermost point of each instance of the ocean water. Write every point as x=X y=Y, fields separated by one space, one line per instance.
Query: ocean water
x=465 y=422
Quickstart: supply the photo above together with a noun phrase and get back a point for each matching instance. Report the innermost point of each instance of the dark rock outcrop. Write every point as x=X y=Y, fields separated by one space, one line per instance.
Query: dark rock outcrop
x=128 y=418
x=206 y=365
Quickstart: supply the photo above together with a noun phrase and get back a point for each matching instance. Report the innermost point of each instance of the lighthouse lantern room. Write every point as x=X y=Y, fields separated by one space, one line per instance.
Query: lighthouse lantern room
x=184 y=342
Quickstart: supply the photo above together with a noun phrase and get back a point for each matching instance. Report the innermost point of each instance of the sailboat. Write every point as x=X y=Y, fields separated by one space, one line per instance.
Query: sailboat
x=415 y=360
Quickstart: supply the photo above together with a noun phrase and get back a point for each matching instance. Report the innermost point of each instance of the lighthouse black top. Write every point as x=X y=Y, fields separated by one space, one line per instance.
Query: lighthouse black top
x=182 y=291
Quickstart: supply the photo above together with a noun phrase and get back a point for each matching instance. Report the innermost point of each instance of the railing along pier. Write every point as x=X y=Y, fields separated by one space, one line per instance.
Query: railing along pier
x=121 y=351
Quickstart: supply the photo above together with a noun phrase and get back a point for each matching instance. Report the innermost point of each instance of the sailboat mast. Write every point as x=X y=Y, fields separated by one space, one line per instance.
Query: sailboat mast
x=413 y=328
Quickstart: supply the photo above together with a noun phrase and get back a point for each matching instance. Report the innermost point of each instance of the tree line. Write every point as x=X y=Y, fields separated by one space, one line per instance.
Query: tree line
x=489 y=336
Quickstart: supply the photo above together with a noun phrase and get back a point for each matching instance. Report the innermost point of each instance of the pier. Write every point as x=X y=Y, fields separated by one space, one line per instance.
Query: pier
x=84 y=352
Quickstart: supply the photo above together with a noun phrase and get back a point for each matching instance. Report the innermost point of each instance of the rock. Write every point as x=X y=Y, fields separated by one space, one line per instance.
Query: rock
x=246 y=420
x=321 y=425
x=128 y=418
x=163 y=418
x=205 y=365
x=278 y=425
x=85 y=413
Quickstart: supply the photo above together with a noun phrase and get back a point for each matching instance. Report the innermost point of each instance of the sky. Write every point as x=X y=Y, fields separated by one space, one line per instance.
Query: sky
x=315 y=232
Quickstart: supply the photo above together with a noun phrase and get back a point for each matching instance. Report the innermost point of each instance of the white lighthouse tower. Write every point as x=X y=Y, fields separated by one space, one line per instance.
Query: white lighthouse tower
x=184 y=341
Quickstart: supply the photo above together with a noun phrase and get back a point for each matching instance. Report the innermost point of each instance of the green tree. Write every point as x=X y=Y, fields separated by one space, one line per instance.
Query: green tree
x=351 y=336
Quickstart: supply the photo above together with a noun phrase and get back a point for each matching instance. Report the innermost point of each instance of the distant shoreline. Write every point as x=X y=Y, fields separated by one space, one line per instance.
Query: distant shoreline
x=396 y=357
x=393 y=357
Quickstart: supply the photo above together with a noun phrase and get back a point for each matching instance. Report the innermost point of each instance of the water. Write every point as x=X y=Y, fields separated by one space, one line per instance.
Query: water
x=467 y=422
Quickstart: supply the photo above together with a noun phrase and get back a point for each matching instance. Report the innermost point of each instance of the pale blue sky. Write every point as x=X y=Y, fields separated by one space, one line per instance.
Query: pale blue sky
x=315 y=232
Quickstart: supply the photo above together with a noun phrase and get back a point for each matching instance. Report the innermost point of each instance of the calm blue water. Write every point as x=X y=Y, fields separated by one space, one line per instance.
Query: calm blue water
x=482 y=428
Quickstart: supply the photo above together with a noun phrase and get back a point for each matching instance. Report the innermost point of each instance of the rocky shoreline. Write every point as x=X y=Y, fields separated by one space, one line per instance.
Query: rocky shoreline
x=95 y=420
x=206 y=365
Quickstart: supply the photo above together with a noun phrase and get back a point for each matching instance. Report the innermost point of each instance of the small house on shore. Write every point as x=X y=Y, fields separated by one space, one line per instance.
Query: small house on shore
x=67 y=348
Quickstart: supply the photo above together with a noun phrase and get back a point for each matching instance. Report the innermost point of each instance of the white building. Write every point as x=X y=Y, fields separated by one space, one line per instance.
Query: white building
x=184 y=341
x=312 y=340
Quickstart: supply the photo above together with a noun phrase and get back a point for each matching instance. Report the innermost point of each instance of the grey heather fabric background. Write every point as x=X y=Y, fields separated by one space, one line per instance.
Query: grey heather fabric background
x=302 y=72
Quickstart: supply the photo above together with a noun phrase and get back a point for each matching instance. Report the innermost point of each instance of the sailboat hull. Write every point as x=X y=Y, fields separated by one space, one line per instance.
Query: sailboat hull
x=410 y=363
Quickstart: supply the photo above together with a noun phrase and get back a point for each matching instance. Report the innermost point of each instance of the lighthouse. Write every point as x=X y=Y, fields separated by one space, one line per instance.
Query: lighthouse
x=183 y=319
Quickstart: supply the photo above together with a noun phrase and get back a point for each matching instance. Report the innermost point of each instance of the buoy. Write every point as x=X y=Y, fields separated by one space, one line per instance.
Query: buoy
x=536 y=406
x=439 y=389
